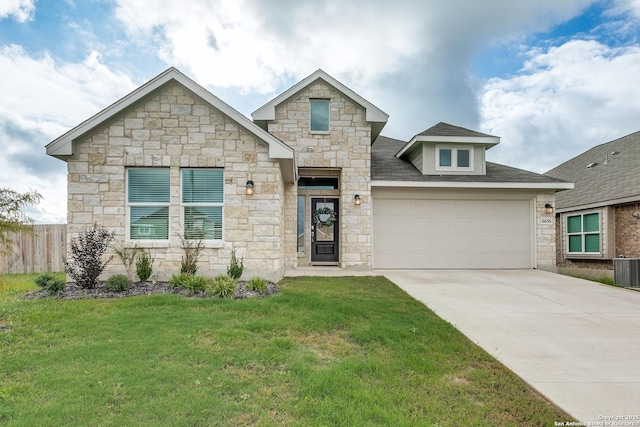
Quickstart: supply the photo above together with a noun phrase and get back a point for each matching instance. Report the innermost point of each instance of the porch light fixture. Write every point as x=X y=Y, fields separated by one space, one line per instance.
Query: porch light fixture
x=356 y=200
x=249 y=190
x=548 y=208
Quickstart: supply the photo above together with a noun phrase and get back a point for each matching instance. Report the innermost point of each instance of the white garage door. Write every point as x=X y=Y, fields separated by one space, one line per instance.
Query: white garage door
x=452 y=233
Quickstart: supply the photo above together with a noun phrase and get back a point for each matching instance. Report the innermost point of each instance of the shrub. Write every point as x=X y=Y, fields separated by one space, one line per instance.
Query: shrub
x=51 y=283
x=86 y=256
x=127 y=255
x=257 y=284
x=192 y=250
x=189 y=282
x=223 y=286
x=235 y=270
x=119 y=283
x=144 y=266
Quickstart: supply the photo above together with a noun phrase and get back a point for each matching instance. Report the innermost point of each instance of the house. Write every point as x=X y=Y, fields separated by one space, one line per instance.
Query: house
x=599 y=219
x=308 y=181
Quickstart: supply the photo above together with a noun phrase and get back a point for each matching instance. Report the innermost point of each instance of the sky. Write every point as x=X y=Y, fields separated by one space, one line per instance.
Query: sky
x=551 y=78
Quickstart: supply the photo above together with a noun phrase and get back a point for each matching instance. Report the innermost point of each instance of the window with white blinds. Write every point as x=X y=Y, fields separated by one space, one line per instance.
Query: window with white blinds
x=148 y=203
x=202 y=202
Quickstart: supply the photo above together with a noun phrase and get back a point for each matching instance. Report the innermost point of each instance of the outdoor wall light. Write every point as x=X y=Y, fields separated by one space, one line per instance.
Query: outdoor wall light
x=249 y=190
x=356 y=200
x=548 y=209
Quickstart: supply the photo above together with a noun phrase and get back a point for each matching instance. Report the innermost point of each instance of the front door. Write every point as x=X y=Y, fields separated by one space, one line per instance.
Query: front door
x=324 y=230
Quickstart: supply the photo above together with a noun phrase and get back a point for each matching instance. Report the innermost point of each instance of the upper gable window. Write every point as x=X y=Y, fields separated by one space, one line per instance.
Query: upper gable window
x=319 y=115
x=454 y=159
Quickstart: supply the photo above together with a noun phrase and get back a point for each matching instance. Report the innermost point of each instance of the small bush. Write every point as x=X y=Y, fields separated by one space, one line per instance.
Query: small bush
x=51 y=283
x=223 y=286
x=86 y=256
x=119 y=283
x=187 y=281
x=235 y=270
x=191 y=250
x=144 y=266
x=257 y=284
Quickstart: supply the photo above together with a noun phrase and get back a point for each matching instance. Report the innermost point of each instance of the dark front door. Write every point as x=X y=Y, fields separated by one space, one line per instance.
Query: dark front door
x=324 y=230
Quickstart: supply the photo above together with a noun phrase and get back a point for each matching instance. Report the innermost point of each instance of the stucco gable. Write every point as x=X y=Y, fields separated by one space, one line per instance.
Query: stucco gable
x=373 y=114
x=62 y=147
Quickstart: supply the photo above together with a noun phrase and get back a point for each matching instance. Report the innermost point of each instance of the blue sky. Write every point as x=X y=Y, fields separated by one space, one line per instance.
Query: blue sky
x=552 y=79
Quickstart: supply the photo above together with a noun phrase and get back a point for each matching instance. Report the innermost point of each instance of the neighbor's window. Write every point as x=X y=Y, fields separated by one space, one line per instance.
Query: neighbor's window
x=583 y=233
x=319 y=115
x=202 y=203
x=148 y=203
x=449 y=158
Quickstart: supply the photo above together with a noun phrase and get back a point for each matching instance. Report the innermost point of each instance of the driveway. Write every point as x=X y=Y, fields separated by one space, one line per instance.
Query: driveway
x=576 y=342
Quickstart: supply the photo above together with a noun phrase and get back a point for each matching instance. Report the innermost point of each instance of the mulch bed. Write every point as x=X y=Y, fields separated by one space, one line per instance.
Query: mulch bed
x=74 y=292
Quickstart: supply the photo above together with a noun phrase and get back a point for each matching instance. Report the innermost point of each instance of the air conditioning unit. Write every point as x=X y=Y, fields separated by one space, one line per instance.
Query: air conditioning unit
x=626 y=272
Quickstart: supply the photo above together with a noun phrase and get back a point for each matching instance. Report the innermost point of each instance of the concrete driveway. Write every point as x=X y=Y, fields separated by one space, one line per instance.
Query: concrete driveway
x=577 y=342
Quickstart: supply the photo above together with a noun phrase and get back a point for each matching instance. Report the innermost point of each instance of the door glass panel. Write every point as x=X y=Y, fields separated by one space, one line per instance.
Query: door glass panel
x=301 y=223
x=325 y=219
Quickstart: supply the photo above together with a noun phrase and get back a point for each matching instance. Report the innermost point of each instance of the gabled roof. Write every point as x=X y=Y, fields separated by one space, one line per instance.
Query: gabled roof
x=388 y=170
x=373 y=114
x=62 y=146
x=613 y=179
x=444 y=132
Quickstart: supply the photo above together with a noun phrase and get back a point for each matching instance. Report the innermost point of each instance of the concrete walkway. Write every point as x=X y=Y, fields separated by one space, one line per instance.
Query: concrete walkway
x=577 y=342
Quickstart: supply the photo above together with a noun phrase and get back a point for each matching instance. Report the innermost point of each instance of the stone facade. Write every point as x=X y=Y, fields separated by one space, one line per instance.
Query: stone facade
x=346 y=148
x=174 y=129
x=545 y=232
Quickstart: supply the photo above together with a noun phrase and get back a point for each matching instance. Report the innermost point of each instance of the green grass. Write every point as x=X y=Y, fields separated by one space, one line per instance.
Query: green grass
x=352 y=351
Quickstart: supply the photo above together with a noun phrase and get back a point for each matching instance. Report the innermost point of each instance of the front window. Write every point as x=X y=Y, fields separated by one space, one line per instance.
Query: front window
x=452 y=158
x=583 y=233
x=148 y=204
x=202 y=203
x=319 y=115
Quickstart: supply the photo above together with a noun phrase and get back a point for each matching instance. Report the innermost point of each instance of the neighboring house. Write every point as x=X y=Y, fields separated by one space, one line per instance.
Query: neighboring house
x=302 y=184
x=600 y=218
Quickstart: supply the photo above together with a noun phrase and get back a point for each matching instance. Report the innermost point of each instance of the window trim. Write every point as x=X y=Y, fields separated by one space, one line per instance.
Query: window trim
x=582 y=233
x=328 y=103
x=129 y=205
x=454 y=158
x=184 y=205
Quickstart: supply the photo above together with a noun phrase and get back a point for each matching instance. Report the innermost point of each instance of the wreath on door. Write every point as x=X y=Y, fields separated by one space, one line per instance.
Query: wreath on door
x=325 y=216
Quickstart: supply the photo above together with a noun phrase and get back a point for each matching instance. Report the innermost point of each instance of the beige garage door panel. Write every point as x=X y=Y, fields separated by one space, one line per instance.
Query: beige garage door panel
x=423 y=233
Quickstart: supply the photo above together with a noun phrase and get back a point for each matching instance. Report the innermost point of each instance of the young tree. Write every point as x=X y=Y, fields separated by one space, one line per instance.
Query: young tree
x=12 y=217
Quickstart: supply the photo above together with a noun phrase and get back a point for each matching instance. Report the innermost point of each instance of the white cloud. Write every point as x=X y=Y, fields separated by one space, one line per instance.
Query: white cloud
x=41 y=101
x=566 y=100
x=21 y=10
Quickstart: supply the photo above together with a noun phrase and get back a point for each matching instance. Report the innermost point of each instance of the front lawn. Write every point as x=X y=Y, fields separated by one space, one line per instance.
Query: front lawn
x=348 y=351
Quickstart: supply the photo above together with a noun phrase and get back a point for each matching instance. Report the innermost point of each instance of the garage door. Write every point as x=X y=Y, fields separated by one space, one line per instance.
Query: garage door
x=452 y=233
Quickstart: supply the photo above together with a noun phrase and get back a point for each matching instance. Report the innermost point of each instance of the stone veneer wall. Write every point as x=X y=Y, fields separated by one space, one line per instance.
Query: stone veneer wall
x=545 y=232
x=346 y=147
x=175 y=129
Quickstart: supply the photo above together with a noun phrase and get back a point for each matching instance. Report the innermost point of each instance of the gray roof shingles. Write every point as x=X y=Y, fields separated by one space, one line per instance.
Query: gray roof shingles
x=385 y=166
x=602 y=184
x=445 y=129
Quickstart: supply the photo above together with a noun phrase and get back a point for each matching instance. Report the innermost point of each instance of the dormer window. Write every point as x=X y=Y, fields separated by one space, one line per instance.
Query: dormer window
x=319 y=115
x=450 y=158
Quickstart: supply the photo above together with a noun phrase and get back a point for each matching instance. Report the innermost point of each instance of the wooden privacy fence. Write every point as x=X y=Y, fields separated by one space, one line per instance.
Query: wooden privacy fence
x=38 y=252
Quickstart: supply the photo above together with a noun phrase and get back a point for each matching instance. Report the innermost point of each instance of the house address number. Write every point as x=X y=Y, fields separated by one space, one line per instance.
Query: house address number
x=546 y=220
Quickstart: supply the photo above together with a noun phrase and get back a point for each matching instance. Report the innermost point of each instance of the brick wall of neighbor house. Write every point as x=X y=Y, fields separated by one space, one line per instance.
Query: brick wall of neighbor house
x=346 y=147
x=545 y=232
x=174 y=129
x=627 y=231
